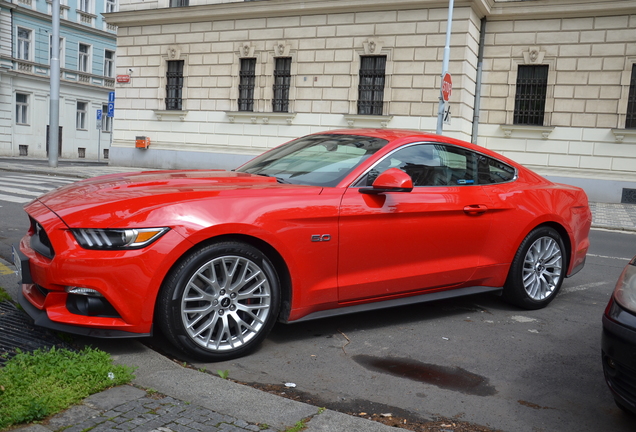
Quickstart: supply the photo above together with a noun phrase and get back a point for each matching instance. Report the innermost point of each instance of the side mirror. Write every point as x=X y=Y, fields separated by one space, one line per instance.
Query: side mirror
x=391 y=180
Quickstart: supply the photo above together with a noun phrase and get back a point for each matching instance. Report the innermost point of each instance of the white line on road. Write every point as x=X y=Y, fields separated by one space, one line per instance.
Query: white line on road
x=20 y=191
x=609 y=257
x=30 y=186
x=32 y=180
x=14 y=199
x=583 y=287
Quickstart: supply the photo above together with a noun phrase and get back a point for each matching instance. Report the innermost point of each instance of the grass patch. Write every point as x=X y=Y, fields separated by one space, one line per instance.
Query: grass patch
x=4 y=296
x=39 y=384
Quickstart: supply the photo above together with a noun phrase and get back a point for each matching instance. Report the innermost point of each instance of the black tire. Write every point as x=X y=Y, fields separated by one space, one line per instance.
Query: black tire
x=220 y=302
x=537 y=270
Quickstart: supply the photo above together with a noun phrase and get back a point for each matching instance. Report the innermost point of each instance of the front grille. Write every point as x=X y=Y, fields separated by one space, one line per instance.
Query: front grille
x=622 y=379
x=40 y=240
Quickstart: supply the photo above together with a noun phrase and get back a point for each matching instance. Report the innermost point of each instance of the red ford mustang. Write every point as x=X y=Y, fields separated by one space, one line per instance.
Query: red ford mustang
x=331 y=223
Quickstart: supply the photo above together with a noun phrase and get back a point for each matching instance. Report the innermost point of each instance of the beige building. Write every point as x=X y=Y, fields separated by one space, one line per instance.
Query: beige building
x=213 y=82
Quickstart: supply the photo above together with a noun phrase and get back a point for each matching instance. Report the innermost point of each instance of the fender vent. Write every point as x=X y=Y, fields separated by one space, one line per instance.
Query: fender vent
x=629 y=196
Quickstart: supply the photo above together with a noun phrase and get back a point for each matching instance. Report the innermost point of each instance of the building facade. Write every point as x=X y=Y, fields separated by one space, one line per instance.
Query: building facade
x=549 y=83
x=87 y=65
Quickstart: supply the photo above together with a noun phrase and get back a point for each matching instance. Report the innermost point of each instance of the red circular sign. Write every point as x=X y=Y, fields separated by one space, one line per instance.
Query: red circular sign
x=447 y=86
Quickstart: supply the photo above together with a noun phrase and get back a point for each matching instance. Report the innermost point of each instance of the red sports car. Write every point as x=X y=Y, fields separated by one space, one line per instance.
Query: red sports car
x=331 y=223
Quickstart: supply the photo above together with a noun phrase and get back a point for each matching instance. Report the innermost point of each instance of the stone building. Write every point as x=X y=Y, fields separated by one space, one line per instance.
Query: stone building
x=87 y=63
x=213 y=83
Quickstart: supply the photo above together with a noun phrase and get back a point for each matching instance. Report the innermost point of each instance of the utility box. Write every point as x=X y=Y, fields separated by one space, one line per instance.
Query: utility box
x=142 y=142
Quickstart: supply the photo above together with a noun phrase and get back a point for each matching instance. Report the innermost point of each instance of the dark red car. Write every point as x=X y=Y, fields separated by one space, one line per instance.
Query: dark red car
x=331 y=223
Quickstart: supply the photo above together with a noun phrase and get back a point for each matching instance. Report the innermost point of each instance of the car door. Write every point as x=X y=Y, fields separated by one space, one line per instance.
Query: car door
x=430 y=238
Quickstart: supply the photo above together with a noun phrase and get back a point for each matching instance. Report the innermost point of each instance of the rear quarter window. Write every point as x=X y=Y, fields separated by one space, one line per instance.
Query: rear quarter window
x=492 y=171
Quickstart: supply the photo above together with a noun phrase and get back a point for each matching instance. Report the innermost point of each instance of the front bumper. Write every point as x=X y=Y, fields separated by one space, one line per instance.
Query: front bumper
x=619 y=354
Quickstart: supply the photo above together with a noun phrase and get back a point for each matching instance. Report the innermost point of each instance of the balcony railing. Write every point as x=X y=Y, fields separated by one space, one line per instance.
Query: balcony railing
x=68 y=75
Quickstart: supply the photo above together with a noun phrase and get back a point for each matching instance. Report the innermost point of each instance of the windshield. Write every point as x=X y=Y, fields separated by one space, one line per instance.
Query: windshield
x=318 y=160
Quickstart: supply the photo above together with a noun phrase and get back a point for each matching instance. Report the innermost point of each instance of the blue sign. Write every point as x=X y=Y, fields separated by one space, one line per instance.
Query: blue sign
x=99 y=115
x=111 y=97
x=111 y=109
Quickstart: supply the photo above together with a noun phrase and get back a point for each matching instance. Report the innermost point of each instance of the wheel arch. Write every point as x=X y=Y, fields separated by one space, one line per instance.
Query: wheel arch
x=565 y=237
x=270 y=252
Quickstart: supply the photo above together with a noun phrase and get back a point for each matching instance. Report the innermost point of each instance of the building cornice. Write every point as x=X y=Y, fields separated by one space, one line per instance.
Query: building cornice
x=63 y=22
x=276 y=8
x=535 y=9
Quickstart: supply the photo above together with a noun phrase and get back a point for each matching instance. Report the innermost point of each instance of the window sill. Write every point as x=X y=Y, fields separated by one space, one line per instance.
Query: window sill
x=254 y=117
x=381 y=121
x=620 y=134
x=170 y=115
x=545 y=131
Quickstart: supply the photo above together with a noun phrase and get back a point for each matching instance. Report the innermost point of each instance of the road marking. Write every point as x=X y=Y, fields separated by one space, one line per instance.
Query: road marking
x=31 y=180
x=4 y=270
x=583 y=287
x=609 y=257
x=30 y=186
x=20 y=191
x=14 y=199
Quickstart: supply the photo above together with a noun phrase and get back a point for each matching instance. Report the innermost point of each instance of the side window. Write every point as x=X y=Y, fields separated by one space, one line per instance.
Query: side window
x=492 y=171
x=431 y=165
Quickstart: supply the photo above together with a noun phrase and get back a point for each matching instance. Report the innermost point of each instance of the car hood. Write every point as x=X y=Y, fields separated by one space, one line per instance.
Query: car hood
x=111 y=196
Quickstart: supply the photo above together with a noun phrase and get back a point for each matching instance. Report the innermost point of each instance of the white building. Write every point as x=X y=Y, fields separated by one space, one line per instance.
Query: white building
x=214 y=83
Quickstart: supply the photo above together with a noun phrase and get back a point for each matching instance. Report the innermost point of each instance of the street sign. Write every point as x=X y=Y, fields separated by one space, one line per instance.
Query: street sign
x=447 y=113
x=111 y=109
x=99 y=114
x=447 y=86
x=111 y=97
x=123 y=78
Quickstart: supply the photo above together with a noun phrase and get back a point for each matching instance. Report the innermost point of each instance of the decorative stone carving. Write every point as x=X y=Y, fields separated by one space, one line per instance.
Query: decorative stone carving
x=246 y=50
x=174 y=53
x=533 y=56
x=372 y=46
x=281 y=49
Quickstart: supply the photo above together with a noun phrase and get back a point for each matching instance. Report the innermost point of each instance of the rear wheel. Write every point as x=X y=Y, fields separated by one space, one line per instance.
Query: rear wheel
x=220 y=302
x=537 y=270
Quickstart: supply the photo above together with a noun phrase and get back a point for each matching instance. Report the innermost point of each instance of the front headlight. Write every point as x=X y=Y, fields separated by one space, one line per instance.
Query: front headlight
x=625 y=291
x=116 y=239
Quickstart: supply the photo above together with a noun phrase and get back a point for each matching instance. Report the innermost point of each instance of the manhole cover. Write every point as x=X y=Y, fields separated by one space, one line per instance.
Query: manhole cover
x=18 y=332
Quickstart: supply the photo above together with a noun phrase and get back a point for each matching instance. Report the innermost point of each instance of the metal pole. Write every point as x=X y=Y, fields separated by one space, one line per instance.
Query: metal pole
x=480 y=64
x=54 y=111
x=440 y=109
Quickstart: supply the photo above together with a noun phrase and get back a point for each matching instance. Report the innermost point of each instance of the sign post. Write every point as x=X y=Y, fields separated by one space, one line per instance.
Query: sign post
x=442 y=98
x=99 y=131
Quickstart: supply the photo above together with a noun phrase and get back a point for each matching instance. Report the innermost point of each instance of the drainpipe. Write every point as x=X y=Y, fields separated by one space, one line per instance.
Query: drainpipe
x=480 y=61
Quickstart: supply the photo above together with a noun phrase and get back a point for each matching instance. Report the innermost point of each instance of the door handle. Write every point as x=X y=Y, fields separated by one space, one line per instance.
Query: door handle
x=475 y=209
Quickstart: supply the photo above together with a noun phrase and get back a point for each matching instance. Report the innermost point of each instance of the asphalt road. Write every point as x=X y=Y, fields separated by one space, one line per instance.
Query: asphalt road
x=476 y=359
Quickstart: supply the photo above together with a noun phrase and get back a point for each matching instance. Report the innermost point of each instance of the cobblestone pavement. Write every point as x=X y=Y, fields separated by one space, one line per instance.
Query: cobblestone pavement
x=616 y=216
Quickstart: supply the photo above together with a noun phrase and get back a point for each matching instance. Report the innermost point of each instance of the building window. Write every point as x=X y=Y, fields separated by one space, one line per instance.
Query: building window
x=179 y=3
x=630 y=121
x=532 y=86
x=109 y=63
x=24 y=43
x=174 y=86
x=21 y=108
x=111 y=6
x=107 y=122
x=84 y=58
x=85 y=6
x=282 y=79
x=80 y=119
x=246 y=84
x=371 y=87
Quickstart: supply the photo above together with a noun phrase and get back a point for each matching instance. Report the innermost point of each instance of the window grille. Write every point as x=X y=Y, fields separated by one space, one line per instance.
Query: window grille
x=630 y=121
x=371 y=87
x=24 y=44
x=179 y=3
x=21 y=108
x=282 y=80
x=532 y=86
x=246 y=84
x=174 y=86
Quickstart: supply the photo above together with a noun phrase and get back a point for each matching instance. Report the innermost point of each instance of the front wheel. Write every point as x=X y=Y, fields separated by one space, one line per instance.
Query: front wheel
x=220 y=302
x=537 y=270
